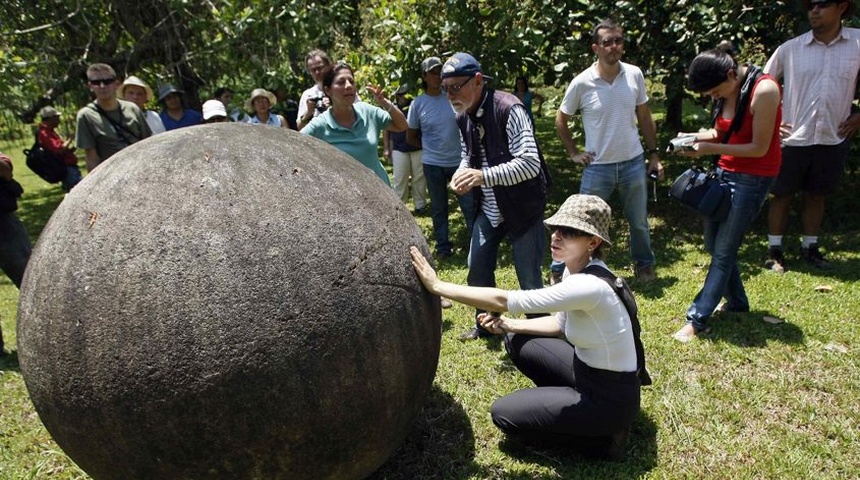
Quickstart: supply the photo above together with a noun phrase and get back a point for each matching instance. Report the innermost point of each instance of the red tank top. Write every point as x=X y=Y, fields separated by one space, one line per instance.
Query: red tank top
x=765 y=166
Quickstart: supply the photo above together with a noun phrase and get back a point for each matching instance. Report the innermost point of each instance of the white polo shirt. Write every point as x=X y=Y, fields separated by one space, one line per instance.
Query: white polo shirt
x=608 y=112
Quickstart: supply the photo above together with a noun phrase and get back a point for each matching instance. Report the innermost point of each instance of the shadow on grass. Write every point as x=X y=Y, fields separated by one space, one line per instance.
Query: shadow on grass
x=570 y=463
x=36 y=208
x=9 y=362
x=441 y=444
x=748 y=329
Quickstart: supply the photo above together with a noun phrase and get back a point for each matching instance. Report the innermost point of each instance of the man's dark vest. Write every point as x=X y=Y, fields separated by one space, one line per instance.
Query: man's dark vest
x=521 y=204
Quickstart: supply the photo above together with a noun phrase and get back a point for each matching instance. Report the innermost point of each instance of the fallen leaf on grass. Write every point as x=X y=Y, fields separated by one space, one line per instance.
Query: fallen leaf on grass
x=773 y=320
x=834 y=347
x=823 y=288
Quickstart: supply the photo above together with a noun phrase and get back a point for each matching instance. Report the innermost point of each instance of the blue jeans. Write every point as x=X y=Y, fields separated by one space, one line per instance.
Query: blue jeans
x=631 y=180
x=73 y=176
x=722 y=241
x=438 y=179
x=528 y=249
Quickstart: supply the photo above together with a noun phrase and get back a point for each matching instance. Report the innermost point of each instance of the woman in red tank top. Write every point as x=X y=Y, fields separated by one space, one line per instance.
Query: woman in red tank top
x=745 y=135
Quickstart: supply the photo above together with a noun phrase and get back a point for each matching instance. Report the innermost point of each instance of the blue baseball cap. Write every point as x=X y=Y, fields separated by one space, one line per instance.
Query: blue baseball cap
x=461 y=64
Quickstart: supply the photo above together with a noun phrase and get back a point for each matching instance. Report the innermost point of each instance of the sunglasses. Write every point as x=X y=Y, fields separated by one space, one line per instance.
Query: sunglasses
x=821 y=4
x=455 y=89
x=568 y=232
x=102 y=81
x=608 y=42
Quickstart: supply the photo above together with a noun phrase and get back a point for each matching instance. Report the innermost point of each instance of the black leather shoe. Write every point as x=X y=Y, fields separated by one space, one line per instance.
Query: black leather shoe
x=472 y=334
x=617 y=449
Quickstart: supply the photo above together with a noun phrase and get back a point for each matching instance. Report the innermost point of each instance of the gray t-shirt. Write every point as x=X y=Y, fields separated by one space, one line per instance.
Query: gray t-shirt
x=96 y=131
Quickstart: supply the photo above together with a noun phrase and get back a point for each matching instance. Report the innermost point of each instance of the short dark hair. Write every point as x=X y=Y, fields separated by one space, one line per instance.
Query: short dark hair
x=330 y=73
x=220 y=91
x=525 y=82
x=847 y=13
x=100 y=68
x=711 y=68
x=608 y=23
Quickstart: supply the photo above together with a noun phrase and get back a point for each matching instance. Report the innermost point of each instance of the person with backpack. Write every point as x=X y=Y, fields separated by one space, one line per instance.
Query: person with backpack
x=587 y=361
x=63 y=150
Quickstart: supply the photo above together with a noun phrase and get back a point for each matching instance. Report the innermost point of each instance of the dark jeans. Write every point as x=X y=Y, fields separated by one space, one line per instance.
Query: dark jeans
x=14 y=247
x=73 y=177
x=570 y=399
x=722 y=241
x=438 y=179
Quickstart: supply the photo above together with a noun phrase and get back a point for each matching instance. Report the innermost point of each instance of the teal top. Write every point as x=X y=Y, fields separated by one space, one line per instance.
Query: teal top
x=360 y=141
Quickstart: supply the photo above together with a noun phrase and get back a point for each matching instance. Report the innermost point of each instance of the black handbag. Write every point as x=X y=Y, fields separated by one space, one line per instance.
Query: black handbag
x=703 y=191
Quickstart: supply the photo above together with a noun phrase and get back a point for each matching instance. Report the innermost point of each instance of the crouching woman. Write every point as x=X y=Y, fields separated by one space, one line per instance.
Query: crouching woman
x=586 y=361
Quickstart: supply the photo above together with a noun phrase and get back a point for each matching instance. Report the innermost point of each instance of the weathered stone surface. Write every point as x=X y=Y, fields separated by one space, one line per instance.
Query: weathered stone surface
x=228 y=301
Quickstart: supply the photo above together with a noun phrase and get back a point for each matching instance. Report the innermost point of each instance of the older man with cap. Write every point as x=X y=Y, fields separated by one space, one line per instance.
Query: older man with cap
x=52 y=143
x=433 y=128
x=108 y=124
x=502 y=164
x=138 y=92
x=820 y=72
x=175 y=114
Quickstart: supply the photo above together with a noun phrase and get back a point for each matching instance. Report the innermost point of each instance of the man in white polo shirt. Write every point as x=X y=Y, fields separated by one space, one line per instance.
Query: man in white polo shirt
x=610 y=96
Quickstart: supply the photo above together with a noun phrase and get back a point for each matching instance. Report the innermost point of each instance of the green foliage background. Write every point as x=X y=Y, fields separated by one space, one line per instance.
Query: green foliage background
x=203 y=44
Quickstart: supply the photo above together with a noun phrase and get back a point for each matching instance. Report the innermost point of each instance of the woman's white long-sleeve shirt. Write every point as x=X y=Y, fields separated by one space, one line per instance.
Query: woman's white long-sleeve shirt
x=590 y=314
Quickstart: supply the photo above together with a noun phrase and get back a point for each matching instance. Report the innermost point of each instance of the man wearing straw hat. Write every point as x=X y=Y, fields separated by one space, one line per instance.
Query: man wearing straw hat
x=138 y=92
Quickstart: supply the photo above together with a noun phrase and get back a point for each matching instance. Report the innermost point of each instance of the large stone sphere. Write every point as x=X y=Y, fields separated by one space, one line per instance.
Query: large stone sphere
x=228 y=302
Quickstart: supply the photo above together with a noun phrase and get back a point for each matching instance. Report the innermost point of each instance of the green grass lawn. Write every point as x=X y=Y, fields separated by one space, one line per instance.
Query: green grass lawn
x=752 y=400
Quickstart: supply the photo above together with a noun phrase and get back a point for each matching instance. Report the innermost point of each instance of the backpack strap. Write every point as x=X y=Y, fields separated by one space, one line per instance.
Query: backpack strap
x=120 y=129
x=620 y=287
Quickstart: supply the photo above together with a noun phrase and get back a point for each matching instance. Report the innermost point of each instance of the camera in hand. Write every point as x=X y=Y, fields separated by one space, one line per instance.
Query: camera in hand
x=318 y=101
x=684 y=143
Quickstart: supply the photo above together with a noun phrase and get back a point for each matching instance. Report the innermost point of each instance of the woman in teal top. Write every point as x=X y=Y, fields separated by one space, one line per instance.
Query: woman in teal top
x=354 y=127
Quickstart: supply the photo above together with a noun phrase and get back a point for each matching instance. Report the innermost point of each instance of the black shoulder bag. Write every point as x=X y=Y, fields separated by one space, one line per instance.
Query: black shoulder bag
x=702 y=189
x=45 y=164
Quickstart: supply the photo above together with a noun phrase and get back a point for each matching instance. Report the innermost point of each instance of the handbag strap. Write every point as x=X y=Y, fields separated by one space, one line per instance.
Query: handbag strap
x=752 y=75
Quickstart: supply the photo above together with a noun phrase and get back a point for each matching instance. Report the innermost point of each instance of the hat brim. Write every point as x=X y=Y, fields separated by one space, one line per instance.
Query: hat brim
x=121 y=90
x=555 y=221
x=269 y=96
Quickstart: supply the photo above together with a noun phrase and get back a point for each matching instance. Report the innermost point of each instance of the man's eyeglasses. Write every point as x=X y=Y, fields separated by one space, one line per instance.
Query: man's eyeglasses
x=821 y=4
x=608 y=42
x=455 y=89
x=102 y=81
